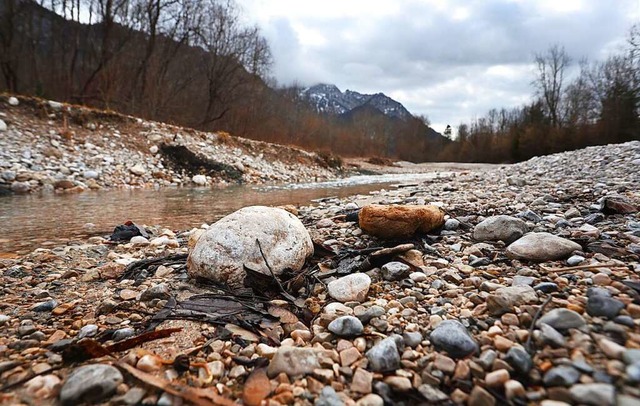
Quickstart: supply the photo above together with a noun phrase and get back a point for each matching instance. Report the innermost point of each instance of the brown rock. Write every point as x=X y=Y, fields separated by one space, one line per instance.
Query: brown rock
x=64 y=184
x=399 y=221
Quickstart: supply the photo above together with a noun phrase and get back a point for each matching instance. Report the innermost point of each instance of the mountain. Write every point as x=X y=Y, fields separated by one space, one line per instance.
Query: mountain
x=328 y=99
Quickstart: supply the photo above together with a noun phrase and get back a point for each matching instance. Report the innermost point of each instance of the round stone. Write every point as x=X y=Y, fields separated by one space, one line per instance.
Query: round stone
x=346 y=326
x=452 y=337
x=90 y=384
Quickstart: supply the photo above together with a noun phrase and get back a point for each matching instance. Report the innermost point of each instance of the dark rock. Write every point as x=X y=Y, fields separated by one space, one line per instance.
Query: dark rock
x=546 y=287
x=385 y=355
x=520 y=360
x=452 y=337
x=562 y=319
x=346 y=326
x=561 y=376
x=599 y=306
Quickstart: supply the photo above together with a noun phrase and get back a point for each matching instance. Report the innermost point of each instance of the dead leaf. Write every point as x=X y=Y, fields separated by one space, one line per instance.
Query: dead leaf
x=242 y=333
x=256 y=388
x=283 y=314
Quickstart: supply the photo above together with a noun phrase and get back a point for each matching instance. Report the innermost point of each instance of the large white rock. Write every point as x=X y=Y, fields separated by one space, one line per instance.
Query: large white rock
x=230 y=243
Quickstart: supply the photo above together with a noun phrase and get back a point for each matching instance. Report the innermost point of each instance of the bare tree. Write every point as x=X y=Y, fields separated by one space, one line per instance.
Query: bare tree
x=551 y=67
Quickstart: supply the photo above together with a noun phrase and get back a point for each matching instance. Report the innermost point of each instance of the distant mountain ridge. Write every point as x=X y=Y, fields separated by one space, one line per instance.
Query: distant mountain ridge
x=328 y=99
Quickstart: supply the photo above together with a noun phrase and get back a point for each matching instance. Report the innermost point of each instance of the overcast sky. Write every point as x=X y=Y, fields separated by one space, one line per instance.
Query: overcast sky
x=451 y=60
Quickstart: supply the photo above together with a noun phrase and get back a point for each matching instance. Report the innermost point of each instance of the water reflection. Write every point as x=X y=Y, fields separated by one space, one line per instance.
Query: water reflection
x=32 y=221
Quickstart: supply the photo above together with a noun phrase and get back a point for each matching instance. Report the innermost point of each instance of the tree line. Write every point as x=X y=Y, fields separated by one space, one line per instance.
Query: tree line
x=600 y=105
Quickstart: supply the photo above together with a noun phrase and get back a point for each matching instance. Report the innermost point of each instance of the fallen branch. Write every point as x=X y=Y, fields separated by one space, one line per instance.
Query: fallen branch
x=284 y=293
x=533 y=324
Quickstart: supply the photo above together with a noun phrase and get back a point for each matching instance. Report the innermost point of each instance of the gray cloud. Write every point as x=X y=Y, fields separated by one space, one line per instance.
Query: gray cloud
x=450 y=61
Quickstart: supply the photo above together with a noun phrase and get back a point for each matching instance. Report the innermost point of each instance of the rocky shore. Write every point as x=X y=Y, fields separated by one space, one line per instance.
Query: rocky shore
x=46 y=146
x=529 y=293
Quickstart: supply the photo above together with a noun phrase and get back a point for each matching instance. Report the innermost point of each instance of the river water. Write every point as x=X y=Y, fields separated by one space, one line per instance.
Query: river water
x=45 y=220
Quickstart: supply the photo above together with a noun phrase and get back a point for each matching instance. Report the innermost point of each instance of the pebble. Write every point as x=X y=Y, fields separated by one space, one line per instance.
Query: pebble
x=123 y=333
x=562 y=319
x=293 y=361
x=346 y=326
x=393 y=271
x=502 y=228
x=561 y=376
x=328 y=397
x=452 y=337
x=480 y=397
x=350 y=288
x=497 y=378
x=90 y=384
x=89 y=330
x=575 y=260
x=385 y=355
x=370 y=400
x=596 y=394
x=520 y=360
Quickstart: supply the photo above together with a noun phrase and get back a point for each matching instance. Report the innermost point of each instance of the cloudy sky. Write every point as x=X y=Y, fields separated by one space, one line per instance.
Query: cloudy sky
x=451 y=60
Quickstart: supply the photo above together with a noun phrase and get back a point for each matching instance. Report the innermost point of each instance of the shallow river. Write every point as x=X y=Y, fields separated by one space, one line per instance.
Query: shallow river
x=33 y=221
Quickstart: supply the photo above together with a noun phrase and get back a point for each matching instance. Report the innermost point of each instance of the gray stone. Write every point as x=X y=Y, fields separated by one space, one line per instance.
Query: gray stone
x=502 y=228
x=633 y=372
x=230 y=244
x=385 y=355
x=159 y=291
x=519 y=359
x=350 y=288
x=346 y=326
x=3 y=126
x=370 y=313
x=89 y=330
x=45 y=306
x=293 y=361
x=91 y=174
x=432 y=394
x=551 y=336
x=562 y=319
x=631 y=356
x=452 y=337
x=600 y=306
x=90 y=384
x=546 y=287
x=596 y=394
x=328 y=397
x=123 y=333
x=503 y=300
x=393 y=271
x=451 y=224
x=541 y=247
x=20 y=187
x=412 y=338
x=561 y=376
x=575 y=260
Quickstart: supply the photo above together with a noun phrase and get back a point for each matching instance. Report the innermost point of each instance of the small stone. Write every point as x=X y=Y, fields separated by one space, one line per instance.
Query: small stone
x=362 y=380
x=561 y=376
x=123 y=333
x=385 y=355
x=633 y=372
x=13 y=101
x=412 y=338
x=325 y=223
x=328 y=397
x=43 y=387
x=575 y=260
x=432 y=394
x=631 y=356
x=370 y=400
x=139 y=240
x=514 y=389
x=89 y=330
x=444 y=364
x=451 y=224
x=550 y=335
x=349 y=356
x=346 y=326
x=497 y=378
x=503 y=300
x=199 y=180
x=3 y=126
x=541 y=247
x=128 y=294
x=4 y=319
x=350 y=288
x=398 y=383
x=90 y=384
x=502 y=228
x=596 y=394
x=393 y=271
x=562 y=319
x=452 y=337
x=149 y=363
x=480 y=397
x=599 y=306
x=546 y=287
x=159 y=291
x=138 y=169
x=45 y=306
x=293 y=361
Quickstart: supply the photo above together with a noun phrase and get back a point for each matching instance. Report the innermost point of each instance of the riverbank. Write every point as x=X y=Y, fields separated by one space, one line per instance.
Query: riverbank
x=50 y=146
x=524 y=331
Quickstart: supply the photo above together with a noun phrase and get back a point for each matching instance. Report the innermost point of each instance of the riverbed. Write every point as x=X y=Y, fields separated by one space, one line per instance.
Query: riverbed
x=46 y=220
